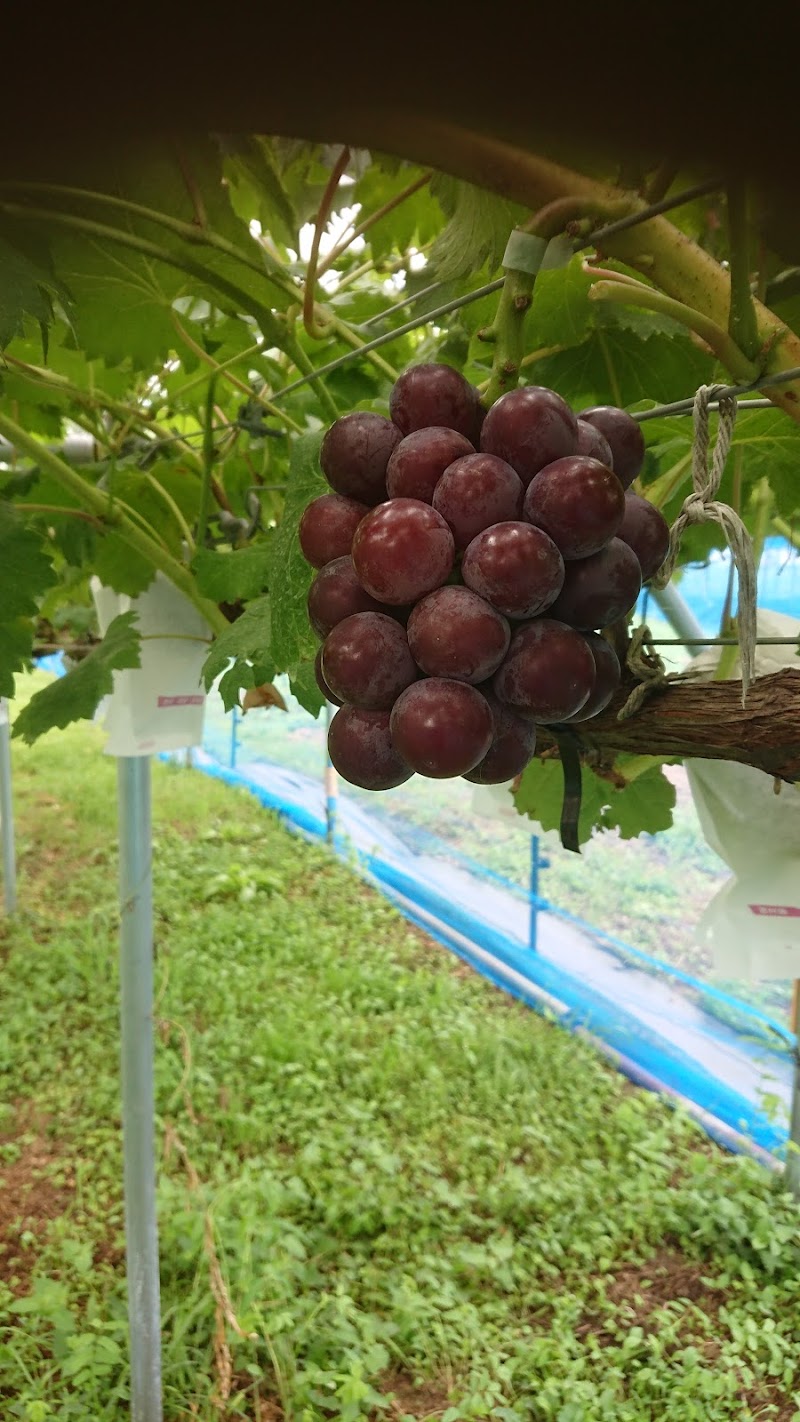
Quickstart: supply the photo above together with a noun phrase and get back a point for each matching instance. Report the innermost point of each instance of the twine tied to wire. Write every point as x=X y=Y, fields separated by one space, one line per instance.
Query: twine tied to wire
x=646 y=664
x=702 y=506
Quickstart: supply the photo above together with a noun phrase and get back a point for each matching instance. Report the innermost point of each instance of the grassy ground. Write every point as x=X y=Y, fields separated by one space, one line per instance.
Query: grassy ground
x=416 y=1198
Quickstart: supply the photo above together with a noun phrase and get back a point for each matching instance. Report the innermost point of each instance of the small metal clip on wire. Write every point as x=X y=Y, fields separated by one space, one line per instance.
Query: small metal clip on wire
x=702 y=506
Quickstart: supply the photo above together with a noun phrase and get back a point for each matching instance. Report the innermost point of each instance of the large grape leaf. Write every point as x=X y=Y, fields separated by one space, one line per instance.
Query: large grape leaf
x=618 y=366
x=246 y=643
x=413 y=223
x=293 y=640
x=257 y=190
x=28 y=285
x=479 y=226
x=228 y=577
x=16 y=642
x=643 y=806
x=305 y=687
x=25 y=569
x=769 y=442
x=76 y=696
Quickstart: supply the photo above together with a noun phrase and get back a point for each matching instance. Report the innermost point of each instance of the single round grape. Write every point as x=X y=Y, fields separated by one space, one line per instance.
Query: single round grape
x=608 y=676
x=476 y=492
x=625 y=437
x=420 y=459
x=512 y=748
x=335 y=594
x=360 y=747
x=434 y=394
x=548 y=672
x=593 y=442
x=441 y=727
x=355 y=453
x=327 y=527
x=578 y=502
x=454 y=633
x=366 y=661
x=599 y=589
x=402 y=550
x=529 y=428
x=515 y=567
x=320 y=679
x=645 y=530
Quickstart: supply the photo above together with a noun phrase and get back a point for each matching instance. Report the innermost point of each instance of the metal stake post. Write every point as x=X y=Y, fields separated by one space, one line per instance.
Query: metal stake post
x=538 y=862
x=138 y=1101
x=7 y=812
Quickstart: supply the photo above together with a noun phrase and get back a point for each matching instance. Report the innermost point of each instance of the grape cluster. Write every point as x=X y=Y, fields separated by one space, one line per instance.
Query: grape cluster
x=467 y=561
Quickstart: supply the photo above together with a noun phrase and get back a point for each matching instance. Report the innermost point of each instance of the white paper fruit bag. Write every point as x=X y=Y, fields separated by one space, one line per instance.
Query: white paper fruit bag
x=752 y=926
x=160 y=705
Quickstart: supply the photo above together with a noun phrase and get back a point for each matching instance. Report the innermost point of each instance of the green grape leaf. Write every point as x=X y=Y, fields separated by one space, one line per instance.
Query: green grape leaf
x=478 y=230
x=293 y=640
x=25 y=569
x=769 y=442
x=229 y=577
x=643 y=806
x=257 y=190
x=27 y=285
x=540 y=796
x=561 y=313
x=16 y=642
x=246 y=640
x=413 y=223
x=120 y=567
x=617 y=366
x=76 y=696
x=303 y=686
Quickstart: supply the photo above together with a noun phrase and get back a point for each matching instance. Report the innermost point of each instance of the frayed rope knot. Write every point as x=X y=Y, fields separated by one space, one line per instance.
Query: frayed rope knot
x=701 y=506
x=645 y=663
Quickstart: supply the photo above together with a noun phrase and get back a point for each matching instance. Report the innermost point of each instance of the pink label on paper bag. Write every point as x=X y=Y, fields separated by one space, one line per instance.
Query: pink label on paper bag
x=180 y=700
x=775 y=910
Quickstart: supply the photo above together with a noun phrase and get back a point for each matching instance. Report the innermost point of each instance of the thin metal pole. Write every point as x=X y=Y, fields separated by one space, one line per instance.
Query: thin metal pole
x=331 y=782
x=679 y=615
x=793 y=1152
x=7 y=812
x=534 y=924
x=138 y=1099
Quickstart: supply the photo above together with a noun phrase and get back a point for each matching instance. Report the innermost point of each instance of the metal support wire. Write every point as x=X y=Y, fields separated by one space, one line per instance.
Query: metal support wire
x=138 y=1099
x=7 y=812
x=719 y=392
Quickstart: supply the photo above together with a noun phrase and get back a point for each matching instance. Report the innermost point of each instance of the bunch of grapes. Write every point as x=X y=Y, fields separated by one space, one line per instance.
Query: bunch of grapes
x=467 y=563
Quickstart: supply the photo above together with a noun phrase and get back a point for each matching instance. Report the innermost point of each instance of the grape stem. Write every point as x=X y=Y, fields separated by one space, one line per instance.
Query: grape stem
x=742 y=319
x=107 y=510
x=315 y=330
x=719 y=341
x=369 y=221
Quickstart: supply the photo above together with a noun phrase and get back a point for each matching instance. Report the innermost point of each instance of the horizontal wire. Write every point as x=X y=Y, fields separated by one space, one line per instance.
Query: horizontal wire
x=401 y=305
x=718 y=392
x=390 y=336
x=654 y=210
x=720 y=641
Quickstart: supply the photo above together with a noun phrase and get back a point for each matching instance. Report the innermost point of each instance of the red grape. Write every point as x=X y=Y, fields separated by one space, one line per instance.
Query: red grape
x=608 y=676
x=624 y=436
x=515 y=567
x=454 y=633
x=593 y=442
x=513 y=745
x=548 y=673
x=435 y=395
x=441 y=727
x=355 y=453
x=402 y=550
x=578 y=502
x=419 y=461
x=529 y=428
x=646 y=531
x=335 y=594
x=599 y=589
x=360 y=747
x=321 y=682
x=476 y=492
x=327 y=528
x=366 y=661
